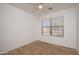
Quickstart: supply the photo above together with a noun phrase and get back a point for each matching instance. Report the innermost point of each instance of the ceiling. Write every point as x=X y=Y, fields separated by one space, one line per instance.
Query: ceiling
x=32 y=7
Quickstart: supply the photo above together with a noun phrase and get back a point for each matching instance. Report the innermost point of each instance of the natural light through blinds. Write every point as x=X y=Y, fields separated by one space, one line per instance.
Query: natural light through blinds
x=53 y=26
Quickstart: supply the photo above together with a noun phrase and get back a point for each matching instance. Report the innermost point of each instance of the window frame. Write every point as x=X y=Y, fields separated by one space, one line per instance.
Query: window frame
x=51 y=26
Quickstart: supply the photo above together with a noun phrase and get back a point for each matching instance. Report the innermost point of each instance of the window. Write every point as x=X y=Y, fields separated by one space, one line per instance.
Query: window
x=53 y=26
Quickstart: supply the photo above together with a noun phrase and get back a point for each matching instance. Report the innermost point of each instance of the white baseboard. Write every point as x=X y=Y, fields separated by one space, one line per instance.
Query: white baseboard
x=3 y=52
x=6 y=51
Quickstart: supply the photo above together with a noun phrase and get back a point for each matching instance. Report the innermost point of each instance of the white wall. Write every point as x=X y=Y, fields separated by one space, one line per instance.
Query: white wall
x=17 y=27
x=1 y=34
x=69 y=39
x=77 y=28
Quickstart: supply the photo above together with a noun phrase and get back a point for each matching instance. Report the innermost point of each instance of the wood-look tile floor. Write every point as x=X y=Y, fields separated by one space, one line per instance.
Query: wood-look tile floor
x=42 y=48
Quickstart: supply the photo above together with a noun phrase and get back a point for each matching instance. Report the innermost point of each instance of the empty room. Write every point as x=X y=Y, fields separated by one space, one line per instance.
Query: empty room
x=39 y=29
